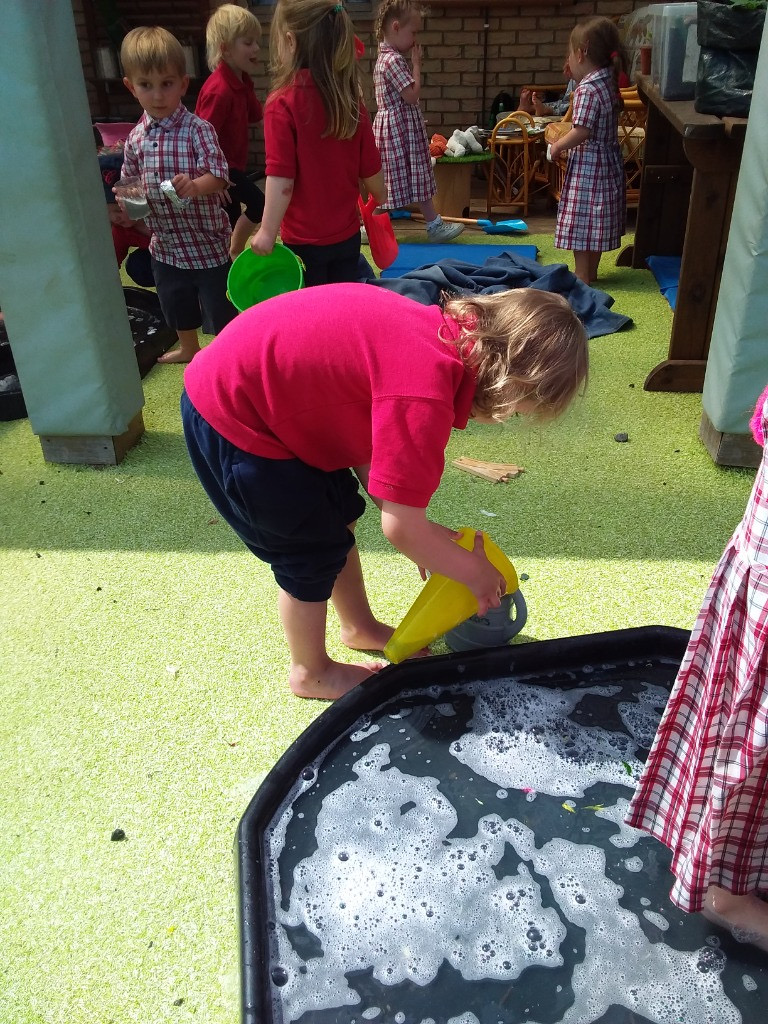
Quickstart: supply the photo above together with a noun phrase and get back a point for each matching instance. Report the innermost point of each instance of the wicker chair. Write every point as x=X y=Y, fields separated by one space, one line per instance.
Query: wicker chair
x=631 y=139
x=518 y=169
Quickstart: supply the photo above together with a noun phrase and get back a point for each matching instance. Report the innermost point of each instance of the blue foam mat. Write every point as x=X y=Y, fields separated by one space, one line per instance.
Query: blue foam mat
x=666 y=270
x=417 y=254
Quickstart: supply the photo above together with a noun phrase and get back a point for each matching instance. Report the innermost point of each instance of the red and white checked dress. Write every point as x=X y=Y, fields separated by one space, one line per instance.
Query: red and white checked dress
x=592 y=213
x=704 y=790
x=400 y=134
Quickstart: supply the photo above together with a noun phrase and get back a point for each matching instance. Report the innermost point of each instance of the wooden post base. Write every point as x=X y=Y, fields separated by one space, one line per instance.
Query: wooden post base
x=93 y=450
x=729 y=449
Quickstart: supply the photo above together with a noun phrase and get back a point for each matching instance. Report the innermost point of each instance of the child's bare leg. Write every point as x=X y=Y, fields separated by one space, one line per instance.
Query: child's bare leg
x=360 y=630
x=746 y=917
x=428 y=210
x=189 y=346
x=594 y=263
x=582 y=265
x=241 y=232
x=312 y=672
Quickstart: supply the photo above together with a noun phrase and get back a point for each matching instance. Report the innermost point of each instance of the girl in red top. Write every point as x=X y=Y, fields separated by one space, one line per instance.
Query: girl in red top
x=299 y=390
x=319 y=142
x=227 y=101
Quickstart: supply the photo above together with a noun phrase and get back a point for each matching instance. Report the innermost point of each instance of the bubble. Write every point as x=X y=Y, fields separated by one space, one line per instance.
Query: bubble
x=279 y=976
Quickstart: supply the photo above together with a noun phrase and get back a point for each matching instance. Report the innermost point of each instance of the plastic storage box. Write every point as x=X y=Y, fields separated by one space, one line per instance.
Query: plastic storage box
x=675 y=54
x=636 y=30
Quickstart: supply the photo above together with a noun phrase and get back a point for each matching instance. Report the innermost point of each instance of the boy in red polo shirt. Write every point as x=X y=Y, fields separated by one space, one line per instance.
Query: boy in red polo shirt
x=300 y=390
x=228 y=101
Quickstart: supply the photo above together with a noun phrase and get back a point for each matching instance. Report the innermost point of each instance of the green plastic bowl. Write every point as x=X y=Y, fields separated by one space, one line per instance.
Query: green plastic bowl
x=253 y=278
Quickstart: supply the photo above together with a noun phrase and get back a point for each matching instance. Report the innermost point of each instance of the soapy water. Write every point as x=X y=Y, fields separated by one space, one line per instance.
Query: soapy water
x=414 y=880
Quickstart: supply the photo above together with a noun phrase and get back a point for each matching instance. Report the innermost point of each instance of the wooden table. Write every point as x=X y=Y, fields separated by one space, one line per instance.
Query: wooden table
x=453 y=177
x=686 y=200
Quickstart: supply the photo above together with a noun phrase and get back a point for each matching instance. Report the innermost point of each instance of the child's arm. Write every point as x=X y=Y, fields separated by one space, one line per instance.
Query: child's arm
x=377 y=187
x=206 y=185
x=411 y=93
x=573 y=138
x=277 y=197
x=431 y=547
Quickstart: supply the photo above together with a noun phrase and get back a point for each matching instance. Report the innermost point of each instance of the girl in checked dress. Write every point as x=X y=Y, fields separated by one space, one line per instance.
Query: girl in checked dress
x=399 y=125
x=704 y=790
x=591 y=216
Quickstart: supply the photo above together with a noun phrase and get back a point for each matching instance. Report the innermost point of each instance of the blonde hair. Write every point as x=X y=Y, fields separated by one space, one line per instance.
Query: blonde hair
x=325 y=45
x=599 y=38
x=227 y=24
x=148 y=49
x=395 y=10
x=524 y=345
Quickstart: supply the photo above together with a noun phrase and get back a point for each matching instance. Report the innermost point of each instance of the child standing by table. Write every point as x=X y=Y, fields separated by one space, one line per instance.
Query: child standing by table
x=399 y=123
x=704 y=790
x=319 y=142
x=591 y=216
x=228 y=101
x=301 y=389
x=189 y=246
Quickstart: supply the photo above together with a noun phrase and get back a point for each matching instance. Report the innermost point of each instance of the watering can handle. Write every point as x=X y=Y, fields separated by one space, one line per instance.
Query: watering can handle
x=521 y=614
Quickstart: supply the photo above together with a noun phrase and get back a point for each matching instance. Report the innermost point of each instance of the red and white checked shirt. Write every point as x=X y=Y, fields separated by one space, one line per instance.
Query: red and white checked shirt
x=196 y=238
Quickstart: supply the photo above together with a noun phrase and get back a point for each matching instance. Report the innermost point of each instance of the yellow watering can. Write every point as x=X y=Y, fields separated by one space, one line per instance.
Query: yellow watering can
x=443 y=603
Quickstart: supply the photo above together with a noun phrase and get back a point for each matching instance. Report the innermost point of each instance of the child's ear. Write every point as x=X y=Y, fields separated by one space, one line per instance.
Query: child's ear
x=129 y=86
x=184 y=84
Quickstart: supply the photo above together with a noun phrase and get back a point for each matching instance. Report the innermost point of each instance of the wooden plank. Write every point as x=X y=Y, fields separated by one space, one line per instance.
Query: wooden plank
x=681 y=114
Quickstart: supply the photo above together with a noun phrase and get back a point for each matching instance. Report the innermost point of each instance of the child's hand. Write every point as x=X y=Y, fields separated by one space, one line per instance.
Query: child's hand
x=262 y=243
x=416 y=54
x=487 y=583
x=185 y=186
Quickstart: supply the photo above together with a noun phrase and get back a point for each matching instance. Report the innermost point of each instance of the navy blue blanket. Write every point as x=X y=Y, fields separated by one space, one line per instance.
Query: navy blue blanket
x=499 y=273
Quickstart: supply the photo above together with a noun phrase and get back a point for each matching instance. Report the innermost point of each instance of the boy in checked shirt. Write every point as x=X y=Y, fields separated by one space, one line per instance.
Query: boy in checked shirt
x=190 y=228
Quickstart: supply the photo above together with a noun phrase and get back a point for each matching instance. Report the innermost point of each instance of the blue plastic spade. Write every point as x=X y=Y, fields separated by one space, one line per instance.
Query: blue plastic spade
x=502 y=227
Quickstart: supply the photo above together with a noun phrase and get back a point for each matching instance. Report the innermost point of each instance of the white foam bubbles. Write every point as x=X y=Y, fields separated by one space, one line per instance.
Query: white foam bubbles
x=628 y=835
x=521 y=737
x=620 y=966
x=386 y=890
x=658 y=919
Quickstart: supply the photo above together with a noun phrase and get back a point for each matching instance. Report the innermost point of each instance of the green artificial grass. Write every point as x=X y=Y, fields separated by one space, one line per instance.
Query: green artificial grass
x=143 y=681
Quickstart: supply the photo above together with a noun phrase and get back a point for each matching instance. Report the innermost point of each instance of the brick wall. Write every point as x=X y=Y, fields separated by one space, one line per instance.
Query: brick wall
x=467 y=59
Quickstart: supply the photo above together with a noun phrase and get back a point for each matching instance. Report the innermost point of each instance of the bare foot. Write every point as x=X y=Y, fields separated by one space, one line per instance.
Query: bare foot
x=333 y=682
x=745 y=917
x=177 y=355
x=372 y=637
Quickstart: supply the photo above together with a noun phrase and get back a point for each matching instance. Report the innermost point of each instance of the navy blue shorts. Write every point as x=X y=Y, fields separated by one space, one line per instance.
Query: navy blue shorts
x=330 y=264
x=290 y=515
x=188 y=296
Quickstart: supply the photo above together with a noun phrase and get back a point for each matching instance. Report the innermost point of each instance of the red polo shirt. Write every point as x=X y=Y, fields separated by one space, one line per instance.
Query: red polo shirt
x=339 y=375
x=228 y=101
x=325 y=171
